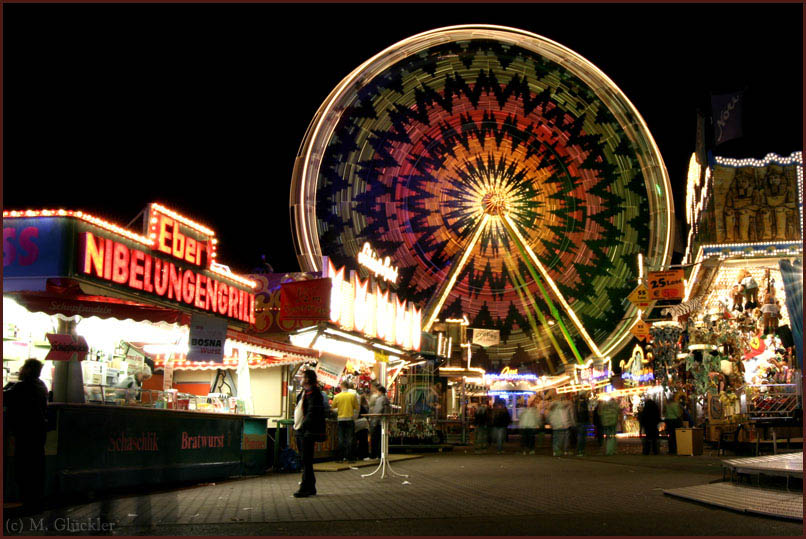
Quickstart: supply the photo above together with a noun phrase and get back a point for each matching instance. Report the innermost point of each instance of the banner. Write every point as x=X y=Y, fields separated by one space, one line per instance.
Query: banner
x=305 y=300
x=727 y=116
x=207 y=338
x=66 y=347
x=330 y=368
x=168 y=376
x=666 y=284
x=486 y=337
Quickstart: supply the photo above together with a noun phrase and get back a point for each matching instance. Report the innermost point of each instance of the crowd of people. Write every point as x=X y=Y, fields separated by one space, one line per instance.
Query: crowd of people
x=569 y=421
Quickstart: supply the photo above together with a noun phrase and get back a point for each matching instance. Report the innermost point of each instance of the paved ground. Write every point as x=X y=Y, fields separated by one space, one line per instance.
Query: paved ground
x=456 y=493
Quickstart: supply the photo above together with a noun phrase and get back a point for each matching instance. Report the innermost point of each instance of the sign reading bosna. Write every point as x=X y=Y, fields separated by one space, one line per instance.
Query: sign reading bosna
x=173 y=263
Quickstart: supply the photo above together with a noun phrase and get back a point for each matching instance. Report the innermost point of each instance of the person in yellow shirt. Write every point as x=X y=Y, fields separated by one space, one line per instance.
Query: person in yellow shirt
x=347 y=406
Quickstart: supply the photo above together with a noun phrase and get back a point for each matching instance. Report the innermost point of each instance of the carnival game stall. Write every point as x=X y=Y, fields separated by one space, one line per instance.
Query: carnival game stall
x=740 y=345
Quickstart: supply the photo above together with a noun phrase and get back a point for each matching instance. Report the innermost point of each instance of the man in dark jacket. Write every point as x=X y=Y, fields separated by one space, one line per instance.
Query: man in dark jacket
x=309 y=427
x=481 y=421
x=501 y=420
x=26 y=403
x=648 y=418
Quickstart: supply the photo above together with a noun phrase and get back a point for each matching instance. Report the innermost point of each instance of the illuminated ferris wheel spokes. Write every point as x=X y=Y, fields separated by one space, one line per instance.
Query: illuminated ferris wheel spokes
x=495 y=203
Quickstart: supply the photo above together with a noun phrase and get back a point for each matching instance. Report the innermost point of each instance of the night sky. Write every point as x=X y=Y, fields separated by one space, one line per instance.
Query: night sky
x=203 y=107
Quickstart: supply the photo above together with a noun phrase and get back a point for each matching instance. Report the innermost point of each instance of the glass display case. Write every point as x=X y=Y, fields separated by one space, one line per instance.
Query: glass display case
x=170 y=400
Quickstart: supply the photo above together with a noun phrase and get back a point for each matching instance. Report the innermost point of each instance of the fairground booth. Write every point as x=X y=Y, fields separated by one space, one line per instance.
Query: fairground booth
x=741 y=347
x=151 y=373
x=360 y=329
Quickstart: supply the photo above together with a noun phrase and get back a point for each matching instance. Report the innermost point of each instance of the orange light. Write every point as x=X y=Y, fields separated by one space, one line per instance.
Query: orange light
x=182 y=219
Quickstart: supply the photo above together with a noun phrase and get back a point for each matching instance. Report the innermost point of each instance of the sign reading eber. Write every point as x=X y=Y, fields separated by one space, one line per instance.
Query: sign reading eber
x=666 y=284
x=305 y=300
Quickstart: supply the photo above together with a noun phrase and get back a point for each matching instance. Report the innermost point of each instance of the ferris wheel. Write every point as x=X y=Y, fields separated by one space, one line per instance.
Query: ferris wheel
x=509 y=179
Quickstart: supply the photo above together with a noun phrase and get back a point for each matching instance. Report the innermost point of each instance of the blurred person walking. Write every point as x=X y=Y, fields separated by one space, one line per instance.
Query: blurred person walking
x=560 y=417
x=481 y=422
x=674 y=414
x=582 y=414
x=609 y=415
x=528 y=423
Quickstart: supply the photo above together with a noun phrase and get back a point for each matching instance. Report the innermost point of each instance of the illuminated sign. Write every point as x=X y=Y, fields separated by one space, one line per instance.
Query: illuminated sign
x=120 y=264
x=510 y=374
x=355 y=305
x=384 y=269
x=174 y=237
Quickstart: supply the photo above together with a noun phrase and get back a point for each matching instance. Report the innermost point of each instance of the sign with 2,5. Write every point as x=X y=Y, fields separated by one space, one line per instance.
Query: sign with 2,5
x=666 y=284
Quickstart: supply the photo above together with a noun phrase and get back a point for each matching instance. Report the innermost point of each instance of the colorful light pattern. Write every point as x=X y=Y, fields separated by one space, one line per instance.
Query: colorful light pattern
x=423 y=142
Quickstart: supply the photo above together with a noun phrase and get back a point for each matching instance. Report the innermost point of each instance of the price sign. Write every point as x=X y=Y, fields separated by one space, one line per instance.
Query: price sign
x=666 y=284
x=641 y=330
x=640 y=297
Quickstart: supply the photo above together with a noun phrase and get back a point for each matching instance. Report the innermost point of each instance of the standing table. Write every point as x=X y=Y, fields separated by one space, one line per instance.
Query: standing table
x=384 y=464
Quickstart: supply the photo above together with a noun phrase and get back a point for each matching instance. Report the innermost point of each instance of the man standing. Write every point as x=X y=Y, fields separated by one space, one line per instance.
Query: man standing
x=673 y=422
x=378 y=405
x=347 y=405
x=648 y=418
x=26 y=403
x=501 y=420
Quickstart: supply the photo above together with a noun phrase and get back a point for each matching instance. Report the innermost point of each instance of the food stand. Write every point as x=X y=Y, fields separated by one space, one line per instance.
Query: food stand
x=361 y=329
x=134 y=300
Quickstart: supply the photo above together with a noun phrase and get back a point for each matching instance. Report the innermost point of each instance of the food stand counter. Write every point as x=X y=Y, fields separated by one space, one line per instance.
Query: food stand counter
x=94 y=446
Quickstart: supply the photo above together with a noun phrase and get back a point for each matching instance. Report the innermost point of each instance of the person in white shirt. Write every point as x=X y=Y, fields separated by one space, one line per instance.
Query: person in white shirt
x=771 y=313
x=750 y=290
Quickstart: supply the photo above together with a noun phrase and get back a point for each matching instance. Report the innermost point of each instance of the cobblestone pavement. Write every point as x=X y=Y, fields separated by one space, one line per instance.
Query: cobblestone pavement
x=457 y=493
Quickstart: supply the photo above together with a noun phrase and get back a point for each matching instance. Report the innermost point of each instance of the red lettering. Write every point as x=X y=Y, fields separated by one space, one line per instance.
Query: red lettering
x=109 y=246
x=93 y=255
x=164 y=234
x=200 y=289
x=233 y=302
x=251 y=309
x=178 y=249
x=190 y=250
x=187 y=286
x=9 y=252
x=147 y=286
x=160 y=277
x=222 y=298
x=27 y=245
x=175 y=283
x=136 y=269
x=120 y=263
x=210 y=301
x=185 y=442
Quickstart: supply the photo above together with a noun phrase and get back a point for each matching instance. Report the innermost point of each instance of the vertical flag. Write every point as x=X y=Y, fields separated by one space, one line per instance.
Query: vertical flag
x=727 y=116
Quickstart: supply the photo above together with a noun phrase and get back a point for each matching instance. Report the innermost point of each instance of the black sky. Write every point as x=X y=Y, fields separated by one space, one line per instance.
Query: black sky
x=203 y=107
